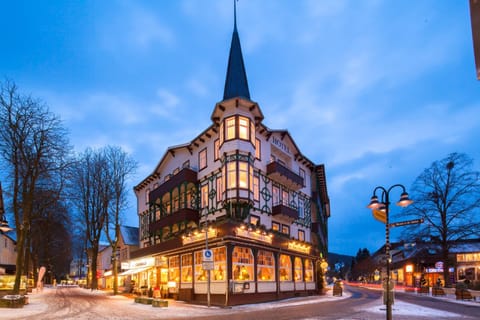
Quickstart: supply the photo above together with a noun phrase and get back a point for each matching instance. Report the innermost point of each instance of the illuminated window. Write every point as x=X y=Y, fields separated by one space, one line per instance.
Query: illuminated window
x=187 y=268
x=177 y=170
x=276 y=196
x=243 y=127
x=265 y=266
x=252 y=132
x=244 y=171
x=231 y=175
x=174 y=269
x=204 y=195
x=298 y=266
x=255 y=220
x=242 y=264
x=285 y=197
x=221 y=133
x=202 y=159
x=200 y=274
x=243 y=174
x=216 y=150
x=301 y=235
x=230 y=128
x=220 y=263
x=285 y=268
x=219 y=189
x=285 y=229
x=237 y=127
x=308 y=270
x=256 y=188
x=275 y=226
x=258 y=149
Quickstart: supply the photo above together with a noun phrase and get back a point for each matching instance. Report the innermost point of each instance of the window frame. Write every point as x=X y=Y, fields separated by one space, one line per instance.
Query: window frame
x=202 y=159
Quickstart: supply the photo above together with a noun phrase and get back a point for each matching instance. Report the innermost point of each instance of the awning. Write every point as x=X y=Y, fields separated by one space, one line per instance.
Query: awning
x=133 y=271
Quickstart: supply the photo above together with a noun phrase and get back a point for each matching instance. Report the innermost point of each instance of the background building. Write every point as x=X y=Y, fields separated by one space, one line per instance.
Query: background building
x=247 y=193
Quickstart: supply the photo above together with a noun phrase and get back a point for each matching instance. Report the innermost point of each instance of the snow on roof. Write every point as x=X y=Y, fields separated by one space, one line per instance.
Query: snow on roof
x=129 y=235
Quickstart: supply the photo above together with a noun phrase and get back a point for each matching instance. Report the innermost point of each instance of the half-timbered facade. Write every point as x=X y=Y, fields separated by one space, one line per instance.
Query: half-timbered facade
x=243 y=191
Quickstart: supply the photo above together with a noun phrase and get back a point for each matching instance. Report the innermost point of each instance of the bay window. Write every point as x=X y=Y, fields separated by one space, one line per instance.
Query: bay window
x=237 y=127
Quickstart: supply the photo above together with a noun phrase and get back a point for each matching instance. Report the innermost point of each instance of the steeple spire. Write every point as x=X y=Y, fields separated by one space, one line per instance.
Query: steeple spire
x=236 y=84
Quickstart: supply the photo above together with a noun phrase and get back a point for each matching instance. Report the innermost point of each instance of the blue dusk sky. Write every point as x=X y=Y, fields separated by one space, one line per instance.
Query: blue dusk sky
x=375 y=90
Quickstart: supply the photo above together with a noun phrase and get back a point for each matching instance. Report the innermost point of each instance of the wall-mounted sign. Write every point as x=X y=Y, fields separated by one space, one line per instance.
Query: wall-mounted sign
x=300 y=247
x=254 y=235
x=281 y=145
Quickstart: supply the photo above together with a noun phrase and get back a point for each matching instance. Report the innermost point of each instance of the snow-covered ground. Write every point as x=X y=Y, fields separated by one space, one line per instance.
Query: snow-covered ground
x=114 y=306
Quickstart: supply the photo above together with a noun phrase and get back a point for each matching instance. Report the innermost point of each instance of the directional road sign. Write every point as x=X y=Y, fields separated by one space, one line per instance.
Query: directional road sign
x=404 y=223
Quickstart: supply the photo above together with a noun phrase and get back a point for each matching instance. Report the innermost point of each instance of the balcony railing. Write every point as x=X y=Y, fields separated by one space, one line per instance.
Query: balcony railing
x=285 y=176
x=183 y=214
x=281 y=209
x=185 y=175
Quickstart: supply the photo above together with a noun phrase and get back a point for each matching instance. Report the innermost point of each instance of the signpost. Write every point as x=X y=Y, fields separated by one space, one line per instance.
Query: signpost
x=404 y=223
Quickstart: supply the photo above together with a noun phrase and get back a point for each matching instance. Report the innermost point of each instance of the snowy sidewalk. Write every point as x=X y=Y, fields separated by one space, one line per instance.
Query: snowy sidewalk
x=122 y=304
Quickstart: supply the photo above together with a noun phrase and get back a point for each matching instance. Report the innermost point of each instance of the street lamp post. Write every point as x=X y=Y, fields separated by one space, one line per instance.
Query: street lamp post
x=381 y=211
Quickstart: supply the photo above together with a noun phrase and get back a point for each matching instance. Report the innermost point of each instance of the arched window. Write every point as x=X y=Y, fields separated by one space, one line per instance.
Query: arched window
x=285 y=268
x=265 y=266
x=308 y=270
x=298 y=266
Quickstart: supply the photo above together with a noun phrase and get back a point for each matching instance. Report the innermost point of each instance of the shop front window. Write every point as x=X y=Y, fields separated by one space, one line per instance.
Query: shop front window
x=242 y=264
x=187 y=268
x=200 y=274
x=265 y=266
x=220 y=262
x=285 y=268
x=174 y=269
x=308 y=270
x=298 y=275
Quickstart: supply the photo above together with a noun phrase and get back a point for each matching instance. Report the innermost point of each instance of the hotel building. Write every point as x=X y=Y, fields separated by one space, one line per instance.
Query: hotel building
x=237 y=215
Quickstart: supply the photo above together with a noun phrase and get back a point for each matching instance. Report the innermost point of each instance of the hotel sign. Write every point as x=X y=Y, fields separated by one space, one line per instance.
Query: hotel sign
x=281 y=145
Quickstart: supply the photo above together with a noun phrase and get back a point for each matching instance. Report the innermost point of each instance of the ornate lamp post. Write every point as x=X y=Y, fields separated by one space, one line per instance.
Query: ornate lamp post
x=380 y=211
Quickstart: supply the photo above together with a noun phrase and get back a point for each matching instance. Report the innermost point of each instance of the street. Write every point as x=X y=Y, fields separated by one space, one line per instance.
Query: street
x=356 y=303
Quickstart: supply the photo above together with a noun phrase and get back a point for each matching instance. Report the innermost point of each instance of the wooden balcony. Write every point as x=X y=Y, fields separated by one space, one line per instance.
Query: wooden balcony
x=184 y=214
x=278 y=172
x=281 y=209
x=185 y=175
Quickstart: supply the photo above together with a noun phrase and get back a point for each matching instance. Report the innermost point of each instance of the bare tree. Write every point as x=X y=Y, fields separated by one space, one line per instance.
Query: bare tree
x=89 y=194
x=34 y=145
x=447 y=197
x=121 y=167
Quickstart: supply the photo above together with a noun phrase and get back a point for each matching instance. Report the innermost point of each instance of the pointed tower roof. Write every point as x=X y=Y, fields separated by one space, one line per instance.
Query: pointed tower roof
x=236 y=84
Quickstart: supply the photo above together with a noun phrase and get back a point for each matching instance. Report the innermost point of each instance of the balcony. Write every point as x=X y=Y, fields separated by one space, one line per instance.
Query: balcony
x=185 y=175
x=183 y=214
x=281 y=209
x=285 y=176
